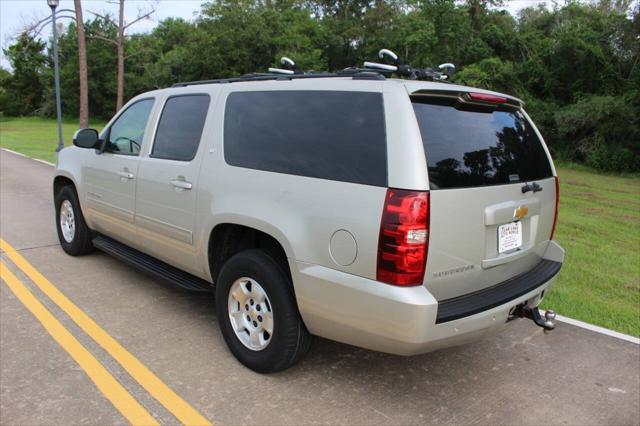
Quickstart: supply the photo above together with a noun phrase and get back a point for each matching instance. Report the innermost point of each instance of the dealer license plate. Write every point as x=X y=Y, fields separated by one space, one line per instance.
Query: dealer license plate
x=509 y=236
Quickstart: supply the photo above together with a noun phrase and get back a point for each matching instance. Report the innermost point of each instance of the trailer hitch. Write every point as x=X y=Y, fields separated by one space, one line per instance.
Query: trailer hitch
x=547 y=323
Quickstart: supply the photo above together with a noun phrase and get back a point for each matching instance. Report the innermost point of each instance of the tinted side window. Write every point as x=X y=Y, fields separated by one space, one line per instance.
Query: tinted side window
x=323 y=134
x=180 y=127
x=467 y=148
x=126 y=133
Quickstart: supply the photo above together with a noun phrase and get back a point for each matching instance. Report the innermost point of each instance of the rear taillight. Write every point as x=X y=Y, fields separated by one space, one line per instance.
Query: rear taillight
x=404 y=237
x=555 y=214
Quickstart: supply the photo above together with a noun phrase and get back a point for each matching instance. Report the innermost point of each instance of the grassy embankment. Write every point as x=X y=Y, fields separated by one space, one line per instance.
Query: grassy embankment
x=599 y=227
x=37 y=137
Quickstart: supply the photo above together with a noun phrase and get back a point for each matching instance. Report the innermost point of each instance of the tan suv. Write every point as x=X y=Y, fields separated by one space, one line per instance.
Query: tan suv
x=396 y=215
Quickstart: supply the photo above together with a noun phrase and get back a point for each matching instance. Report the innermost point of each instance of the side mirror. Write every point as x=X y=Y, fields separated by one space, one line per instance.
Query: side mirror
x=86 y=138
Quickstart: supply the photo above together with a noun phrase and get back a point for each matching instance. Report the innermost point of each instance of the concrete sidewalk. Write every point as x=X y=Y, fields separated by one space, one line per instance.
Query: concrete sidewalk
x=570 y=376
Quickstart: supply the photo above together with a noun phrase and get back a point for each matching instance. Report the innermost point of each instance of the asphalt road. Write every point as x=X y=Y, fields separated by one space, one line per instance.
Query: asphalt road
x=570 y=376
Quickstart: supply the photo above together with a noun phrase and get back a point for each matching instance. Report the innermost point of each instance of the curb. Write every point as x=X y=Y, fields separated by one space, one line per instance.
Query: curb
x=597 y=329
x=48 y=163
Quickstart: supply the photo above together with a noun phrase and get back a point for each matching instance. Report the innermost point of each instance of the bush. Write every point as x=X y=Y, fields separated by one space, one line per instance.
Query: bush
x=493 y=74
x=542 y=114
x=602 y=131
x=603 y=157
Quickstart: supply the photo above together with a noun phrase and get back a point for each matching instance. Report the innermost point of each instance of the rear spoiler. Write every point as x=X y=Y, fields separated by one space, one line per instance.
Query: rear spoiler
x=472 y=97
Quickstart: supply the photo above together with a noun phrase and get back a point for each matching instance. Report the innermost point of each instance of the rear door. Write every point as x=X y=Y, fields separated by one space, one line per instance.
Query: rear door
x=168 y=180
x=492 y=192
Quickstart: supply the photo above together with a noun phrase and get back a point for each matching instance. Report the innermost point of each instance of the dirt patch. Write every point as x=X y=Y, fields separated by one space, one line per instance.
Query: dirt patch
x=603 y=200
x=595 y=210
x=632 y=287
x=622 y=191
x=626 y=217
x=585 y=195
x=575 y=183
x=628 y=202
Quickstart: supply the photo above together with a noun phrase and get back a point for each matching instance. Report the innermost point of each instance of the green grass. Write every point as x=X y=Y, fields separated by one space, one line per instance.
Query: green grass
x=37 y=137
x=598 y=226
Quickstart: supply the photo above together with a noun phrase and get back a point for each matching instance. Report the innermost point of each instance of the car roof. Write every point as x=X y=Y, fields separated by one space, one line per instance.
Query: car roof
x=411 y=86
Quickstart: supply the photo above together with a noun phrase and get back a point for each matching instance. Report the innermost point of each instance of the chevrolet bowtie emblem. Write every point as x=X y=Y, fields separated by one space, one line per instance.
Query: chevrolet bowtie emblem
x=520 y=212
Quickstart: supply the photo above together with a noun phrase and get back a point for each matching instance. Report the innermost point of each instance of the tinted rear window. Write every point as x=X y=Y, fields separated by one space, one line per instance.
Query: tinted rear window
x=180 y=127
x=467 y=148
x=322 y=134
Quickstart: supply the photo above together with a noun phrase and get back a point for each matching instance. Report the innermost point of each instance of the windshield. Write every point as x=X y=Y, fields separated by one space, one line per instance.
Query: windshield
x=478 y=147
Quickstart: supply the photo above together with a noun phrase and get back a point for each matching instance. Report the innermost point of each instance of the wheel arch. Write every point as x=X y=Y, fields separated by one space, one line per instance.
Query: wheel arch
x=62 y=180
x=229 y=238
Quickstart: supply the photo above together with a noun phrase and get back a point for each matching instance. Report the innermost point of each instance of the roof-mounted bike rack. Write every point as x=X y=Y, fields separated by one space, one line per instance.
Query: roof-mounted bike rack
x=393 y=65
x=371 y=71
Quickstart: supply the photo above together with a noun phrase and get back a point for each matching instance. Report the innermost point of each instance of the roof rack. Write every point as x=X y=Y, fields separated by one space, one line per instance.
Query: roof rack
x=371 y=71
x=355 y=73
x=391 y=64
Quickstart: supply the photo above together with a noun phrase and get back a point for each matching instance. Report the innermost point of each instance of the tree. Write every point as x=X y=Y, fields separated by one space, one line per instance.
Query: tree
x=119 y=42
x=8 y=104
x=576 y=66
x=101 y=69
x=82 y=67
x=343 y=27
x=269 y=30
x=478 y=10
x=25 y=85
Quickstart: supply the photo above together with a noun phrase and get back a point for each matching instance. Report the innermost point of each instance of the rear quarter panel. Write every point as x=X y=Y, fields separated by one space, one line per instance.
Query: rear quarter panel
x=302 y=213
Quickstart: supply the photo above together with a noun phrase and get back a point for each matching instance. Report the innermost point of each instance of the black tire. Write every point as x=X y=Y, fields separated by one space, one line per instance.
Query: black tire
x=80 y=243
x=290 y=340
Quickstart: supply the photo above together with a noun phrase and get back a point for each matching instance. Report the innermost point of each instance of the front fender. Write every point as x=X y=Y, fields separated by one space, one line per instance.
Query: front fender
x=69 y=166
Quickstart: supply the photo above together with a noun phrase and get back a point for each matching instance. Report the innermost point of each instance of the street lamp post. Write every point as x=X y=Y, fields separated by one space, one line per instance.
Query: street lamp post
x=53 y=4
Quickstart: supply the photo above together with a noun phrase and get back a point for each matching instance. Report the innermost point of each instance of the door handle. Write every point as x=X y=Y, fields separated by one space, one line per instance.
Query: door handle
x=182 y=184
x=536 y=187
x=531 y=187
x=125 y=174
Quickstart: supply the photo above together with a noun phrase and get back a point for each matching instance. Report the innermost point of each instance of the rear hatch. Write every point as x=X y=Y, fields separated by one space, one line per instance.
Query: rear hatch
x=493 y=193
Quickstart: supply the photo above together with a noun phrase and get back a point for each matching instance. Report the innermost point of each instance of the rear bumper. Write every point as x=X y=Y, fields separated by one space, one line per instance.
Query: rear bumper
x=406 y=321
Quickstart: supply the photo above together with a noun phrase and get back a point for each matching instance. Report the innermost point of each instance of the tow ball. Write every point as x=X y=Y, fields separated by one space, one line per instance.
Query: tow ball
x=547 y=323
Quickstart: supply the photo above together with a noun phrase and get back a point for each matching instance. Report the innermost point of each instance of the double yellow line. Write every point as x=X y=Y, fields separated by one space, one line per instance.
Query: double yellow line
x=122 y=400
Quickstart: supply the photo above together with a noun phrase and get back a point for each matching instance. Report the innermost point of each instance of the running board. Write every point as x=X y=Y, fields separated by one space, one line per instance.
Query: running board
x=152 y=266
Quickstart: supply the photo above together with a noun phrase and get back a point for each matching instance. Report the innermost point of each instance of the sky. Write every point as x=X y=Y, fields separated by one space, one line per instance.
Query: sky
x=16 y=14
